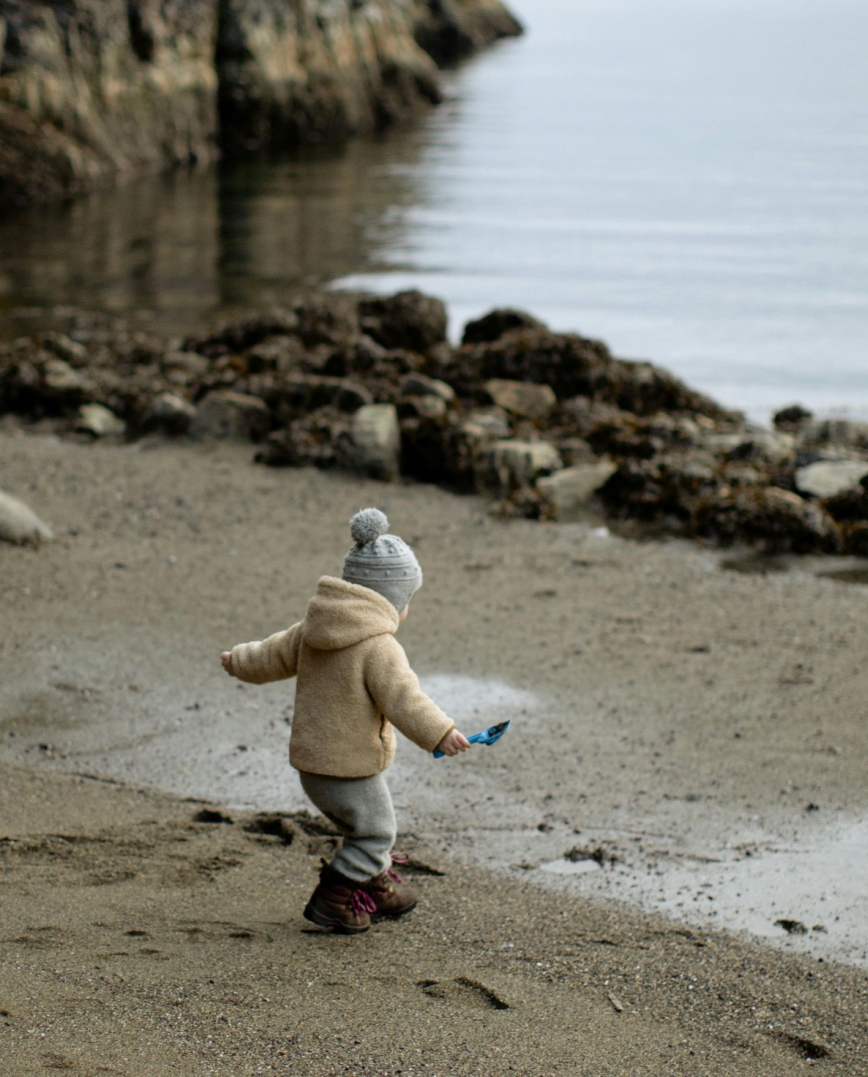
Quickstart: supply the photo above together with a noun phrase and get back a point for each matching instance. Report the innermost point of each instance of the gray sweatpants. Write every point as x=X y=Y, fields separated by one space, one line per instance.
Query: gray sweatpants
x=362 y=810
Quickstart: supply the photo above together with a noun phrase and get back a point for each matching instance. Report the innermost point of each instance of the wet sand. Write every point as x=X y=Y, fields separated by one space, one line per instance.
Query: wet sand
x=676 y=729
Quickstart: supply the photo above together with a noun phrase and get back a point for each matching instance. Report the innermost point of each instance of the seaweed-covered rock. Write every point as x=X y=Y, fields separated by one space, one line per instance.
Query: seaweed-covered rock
x=242 y=333
x=791 y=418
x=408 y=321
x=849 y=505
x=328 y=319
x=574 y=366
x=855 y=538
x=779 y=520
x=227 y=415
x=496 y=323
x=666 y=486
x=312 y=440
x=451 y=450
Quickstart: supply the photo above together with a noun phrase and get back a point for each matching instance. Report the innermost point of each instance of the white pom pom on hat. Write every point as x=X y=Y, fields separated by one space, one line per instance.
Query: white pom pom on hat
x=367 y=526
x=382 y=562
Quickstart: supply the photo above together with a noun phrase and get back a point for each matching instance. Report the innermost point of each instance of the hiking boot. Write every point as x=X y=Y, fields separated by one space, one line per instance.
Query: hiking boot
x=339 y=903
x=389 y=893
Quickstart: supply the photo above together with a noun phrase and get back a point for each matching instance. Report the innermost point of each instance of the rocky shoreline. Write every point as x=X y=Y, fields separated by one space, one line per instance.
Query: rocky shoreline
x=543 y=423
x=92 y=90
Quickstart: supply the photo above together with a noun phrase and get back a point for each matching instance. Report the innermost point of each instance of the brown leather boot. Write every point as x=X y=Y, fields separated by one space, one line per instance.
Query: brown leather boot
x=339 y=903
x=389 y=894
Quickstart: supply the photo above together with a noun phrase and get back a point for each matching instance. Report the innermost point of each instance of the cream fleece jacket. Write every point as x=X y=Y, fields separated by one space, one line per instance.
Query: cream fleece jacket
x=354 y=683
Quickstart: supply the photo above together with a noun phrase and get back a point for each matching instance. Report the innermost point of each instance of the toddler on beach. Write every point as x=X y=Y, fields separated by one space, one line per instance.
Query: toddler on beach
x=353 y=684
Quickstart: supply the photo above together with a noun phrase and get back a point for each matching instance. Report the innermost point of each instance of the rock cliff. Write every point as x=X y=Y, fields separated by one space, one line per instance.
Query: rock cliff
x=95 y=88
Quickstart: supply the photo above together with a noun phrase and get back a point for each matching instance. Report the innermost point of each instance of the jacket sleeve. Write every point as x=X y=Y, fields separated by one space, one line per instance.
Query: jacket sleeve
x=394 y=687
x=272 y=659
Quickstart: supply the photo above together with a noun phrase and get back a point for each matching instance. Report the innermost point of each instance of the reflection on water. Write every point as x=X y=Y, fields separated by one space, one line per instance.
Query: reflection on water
x=181 y=248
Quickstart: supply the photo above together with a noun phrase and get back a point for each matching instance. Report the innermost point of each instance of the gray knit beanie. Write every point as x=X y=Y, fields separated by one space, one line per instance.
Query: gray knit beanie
x=382 y=562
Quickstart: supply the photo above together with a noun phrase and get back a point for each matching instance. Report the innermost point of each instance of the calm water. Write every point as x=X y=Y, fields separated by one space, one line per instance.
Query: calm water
x=687 y=179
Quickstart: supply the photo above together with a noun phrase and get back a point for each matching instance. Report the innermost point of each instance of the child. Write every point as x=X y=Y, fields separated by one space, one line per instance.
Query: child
x=354 y=682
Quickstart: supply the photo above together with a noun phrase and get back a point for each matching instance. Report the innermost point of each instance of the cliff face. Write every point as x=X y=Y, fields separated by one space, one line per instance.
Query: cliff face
x=92 y=88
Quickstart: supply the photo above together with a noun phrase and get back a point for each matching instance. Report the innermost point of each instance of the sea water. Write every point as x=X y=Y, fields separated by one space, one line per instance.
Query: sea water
x=685 y=179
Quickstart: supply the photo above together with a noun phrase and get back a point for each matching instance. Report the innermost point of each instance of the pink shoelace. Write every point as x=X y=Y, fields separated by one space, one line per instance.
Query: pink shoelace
x=360 y=902
x=397 y=858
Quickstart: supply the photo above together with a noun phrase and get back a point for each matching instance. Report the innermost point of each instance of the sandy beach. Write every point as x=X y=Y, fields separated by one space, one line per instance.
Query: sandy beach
x=660 y=870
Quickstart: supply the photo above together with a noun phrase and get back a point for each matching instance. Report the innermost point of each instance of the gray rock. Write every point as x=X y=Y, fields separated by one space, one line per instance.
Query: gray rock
x=420 y=385
x=59 y=377
x=20 y=524
x=171 y=413
x=428 y=407
x=828 y=478
x=573 y=487
x=375 y=442
x=64 y=347
x=525 y=399
x=769 y=446
x=489 y=423
x=224 y=415
x=182 y=367
x=520 y=463
x=98 y=420
x=575 y=451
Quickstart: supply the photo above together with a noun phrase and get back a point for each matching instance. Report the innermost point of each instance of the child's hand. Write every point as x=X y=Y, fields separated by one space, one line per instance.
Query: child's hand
x=453 y=743
x=226 y=659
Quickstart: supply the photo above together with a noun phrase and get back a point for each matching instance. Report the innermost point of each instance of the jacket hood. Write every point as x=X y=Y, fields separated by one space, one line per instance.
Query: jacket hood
x=342 y=614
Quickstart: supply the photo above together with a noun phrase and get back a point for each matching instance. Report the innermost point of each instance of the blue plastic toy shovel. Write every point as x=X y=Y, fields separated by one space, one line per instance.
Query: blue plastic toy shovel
x=487 y=736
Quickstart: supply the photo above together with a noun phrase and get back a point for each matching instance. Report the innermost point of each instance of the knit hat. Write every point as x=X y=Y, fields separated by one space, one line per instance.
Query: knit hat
x=382 y=562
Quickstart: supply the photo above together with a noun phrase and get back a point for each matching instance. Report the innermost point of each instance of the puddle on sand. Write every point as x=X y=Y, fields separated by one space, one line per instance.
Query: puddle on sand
x=807 y=896
x=563 y=866
x=811 y=896
x=481 y=701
